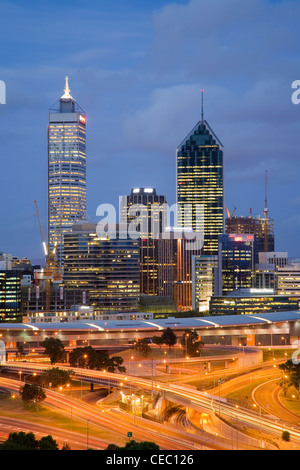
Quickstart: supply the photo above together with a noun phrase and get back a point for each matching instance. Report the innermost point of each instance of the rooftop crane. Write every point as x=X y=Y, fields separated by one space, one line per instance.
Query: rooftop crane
x=228 y=213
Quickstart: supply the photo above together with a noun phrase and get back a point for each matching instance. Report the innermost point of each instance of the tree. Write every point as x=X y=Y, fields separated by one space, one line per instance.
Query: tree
x=55 y=349
x=66 y=446
x=157 y=340
x=32 y=393
x=48 y=443
x=285 y=436
x=292 y=370
x=169 y=338
x=115 y=363
x=20 y=352
x=57 y=376
x=191 y=343
x=93 y=359
x=28 y=441
x=133 y=445
x=142 y=346
x=22 y=441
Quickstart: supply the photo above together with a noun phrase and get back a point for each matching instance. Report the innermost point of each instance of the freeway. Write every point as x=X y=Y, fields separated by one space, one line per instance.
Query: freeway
x=210 y=403
x=61 y=436
x=111 y=425
x=266 y=397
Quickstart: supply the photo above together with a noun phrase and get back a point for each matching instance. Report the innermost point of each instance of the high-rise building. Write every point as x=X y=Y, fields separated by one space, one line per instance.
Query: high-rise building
x=66 y=169
x=144 y=211
x=250 y=301
x=175 y=254
x=203 y=281
x=288 y=279
x=261 y=227
x=235 y=264
x=10 y=294
x=105 y=267
x=200 y=194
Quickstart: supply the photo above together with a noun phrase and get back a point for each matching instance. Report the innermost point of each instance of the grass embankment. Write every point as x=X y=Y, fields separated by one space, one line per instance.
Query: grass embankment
x=15 y=408
x=277 y=354
x=162 y=353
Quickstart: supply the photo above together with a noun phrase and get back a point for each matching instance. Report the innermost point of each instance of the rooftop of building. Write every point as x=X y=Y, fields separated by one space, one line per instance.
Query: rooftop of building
x=206 y=322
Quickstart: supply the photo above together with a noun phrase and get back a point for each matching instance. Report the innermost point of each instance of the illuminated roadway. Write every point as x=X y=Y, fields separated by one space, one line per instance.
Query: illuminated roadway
x=176 y=393
x=113 y=423
x=266 y=396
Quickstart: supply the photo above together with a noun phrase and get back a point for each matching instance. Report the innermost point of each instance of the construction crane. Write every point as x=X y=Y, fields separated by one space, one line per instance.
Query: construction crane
x=228 y=213
x=48 y=273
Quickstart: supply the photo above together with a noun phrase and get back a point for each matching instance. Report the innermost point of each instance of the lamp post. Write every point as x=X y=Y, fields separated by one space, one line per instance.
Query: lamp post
x=87 y=426
x=186 y=337
x=259 y=407
x=83 y=356
x=70 y=386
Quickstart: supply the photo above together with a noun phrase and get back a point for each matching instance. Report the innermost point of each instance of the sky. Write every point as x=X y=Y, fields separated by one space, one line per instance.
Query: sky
x=137 y=68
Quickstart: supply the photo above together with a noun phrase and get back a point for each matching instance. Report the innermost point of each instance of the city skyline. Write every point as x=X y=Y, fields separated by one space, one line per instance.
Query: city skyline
x=139 y=104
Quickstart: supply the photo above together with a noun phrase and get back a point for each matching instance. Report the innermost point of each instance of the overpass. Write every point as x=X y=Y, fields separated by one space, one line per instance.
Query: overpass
x=192 y=399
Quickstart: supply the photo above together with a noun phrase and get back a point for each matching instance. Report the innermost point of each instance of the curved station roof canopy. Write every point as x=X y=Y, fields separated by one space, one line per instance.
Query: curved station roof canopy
x=161 y=324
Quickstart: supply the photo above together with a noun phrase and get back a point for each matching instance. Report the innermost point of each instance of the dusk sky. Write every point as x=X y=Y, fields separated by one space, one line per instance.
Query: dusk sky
x=137 y=68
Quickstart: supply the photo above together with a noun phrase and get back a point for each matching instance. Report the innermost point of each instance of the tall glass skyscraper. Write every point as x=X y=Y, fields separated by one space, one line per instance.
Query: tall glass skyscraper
x=149 y=208
x=200 y=193
x=66 y=169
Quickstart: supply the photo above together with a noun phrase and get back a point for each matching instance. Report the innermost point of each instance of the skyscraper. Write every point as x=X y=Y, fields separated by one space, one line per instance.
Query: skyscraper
x=146 y=209
x=107 y=268
x=235 y=264
x=66 y=169
x=200 y=184
x=261 y=227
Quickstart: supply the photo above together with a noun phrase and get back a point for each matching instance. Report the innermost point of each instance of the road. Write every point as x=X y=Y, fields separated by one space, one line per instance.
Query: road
x=112 y=423
x=191 y=397
x=266 y=396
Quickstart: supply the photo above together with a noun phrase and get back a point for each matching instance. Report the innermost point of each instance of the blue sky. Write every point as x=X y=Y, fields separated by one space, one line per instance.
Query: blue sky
x=137 y=68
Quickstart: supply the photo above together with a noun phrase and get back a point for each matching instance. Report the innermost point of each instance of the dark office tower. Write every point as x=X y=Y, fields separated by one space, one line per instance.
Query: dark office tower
x=107 y=268
x=200 y=184
x=144 y=211
x=66 y=169
x=261 y=227
x=175 y=256
x=235 y=269
x=10 y=294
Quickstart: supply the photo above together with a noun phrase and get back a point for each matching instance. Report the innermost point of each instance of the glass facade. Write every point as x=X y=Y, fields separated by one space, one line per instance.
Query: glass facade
x=230 y=305
x=235 y=270
x=261 y=228
x=203 y=280
x=66 y=170
x=151 y=217
x=200 y=183
x=107 y=268
x=10 y=294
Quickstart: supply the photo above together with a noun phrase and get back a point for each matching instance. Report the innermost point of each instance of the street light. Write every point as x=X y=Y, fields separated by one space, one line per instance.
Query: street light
x=186 y=337
x=87 y=426
x=70 y=386
x=255 y=405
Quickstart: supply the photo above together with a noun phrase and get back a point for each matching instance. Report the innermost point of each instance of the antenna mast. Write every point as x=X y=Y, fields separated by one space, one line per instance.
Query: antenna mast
x=266 y=215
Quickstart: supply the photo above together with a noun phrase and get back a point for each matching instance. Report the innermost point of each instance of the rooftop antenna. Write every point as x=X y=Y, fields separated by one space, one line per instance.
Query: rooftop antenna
x=266 y=215
x=266 y=211
x=67 y=91
x=202 y=112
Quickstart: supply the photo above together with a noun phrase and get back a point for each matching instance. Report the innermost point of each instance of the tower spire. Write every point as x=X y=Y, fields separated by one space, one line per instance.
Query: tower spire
x=67 y=92
x=202 y=109
x=266 y=211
